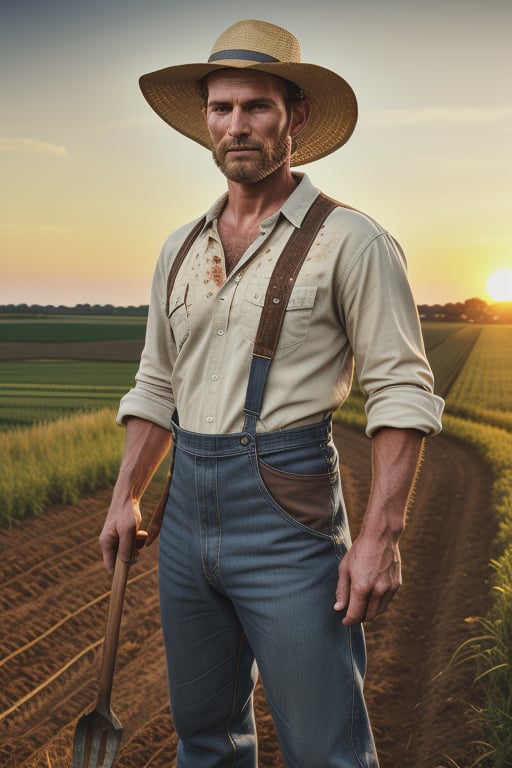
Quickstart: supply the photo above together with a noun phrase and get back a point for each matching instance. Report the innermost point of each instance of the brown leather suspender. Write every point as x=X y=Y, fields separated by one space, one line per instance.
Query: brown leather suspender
x=284 y=275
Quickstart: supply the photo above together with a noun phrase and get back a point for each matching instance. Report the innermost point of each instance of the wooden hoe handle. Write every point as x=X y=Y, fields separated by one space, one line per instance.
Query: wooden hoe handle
x=115 y=610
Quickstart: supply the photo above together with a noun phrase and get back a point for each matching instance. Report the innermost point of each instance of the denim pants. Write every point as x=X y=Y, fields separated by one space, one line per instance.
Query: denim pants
x=252 y=535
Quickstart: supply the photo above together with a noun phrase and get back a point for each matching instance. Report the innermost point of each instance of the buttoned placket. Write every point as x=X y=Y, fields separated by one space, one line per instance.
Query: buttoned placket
x=219 y=325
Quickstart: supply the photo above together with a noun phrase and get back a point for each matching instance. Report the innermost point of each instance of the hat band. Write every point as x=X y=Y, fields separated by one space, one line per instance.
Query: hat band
x=240 y=53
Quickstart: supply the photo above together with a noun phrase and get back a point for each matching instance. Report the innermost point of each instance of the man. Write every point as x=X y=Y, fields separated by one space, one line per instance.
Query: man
x=255 y=560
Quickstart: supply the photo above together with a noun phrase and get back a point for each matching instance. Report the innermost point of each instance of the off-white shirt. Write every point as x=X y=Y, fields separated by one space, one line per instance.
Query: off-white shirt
x=351 y=303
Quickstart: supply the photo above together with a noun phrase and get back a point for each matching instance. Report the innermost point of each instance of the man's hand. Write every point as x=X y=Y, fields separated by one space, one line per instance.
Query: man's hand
x=370 y=572
x=369 y=577
x=120 y=535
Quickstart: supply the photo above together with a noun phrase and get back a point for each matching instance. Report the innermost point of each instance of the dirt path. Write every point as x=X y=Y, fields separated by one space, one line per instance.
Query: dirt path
x=53 y=604
x=419 y=710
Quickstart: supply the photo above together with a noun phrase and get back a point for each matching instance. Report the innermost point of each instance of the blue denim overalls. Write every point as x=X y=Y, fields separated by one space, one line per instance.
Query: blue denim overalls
x=252 y=534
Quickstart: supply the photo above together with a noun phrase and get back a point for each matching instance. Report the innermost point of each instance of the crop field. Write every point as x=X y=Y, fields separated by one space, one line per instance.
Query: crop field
x=74 y=329
x=485 y=380
x=50 y=367
x=448 y=356
x=35 y=391
x=451 y=621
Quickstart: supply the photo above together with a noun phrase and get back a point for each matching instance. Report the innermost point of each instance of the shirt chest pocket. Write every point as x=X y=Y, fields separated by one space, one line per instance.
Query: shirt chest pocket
x=178 y=315
x=297 y=317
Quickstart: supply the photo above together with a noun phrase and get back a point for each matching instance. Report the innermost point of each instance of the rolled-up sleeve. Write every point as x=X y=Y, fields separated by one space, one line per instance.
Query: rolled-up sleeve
x=152 y=397
x=384 y=331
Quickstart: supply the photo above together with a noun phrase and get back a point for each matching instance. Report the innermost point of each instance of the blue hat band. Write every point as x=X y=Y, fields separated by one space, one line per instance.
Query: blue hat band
x=240 y=53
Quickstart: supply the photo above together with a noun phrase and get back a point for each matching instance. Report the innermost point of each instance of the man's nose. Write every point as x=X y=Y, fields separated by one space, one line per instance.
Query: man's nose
x=238 y=125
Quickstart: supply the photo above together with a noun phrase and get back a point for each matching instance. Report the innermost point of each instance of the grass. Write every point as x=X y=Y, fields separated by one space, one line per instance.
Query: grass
x=57 y=463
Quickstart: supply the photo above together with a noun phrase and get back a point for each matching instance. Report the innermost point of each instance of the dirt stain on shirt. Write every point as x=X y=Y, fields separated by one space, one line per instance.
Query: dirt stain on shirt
x=214 y=269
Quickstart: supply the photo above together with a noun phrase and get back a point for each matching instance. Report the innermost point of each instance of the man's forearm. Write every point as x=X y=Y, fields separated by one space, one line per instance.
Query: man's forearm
x=395 y=459
x=146 y=444
x=370 y=572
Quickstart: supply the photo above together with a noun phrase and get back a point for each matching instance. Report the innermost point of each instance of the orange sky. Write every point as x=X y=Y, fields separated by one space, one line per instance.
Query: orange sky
x=92 y=181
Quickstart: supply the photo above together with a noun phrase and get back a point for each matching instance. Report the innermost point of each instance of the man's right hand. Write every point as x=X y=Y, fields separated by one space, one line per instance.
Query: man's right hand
x=120 y=535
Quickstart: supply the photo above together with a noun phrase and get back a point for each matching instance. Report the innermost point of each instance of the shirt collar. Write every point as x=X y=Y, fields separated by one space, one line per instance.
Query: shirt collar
x=294 y=208
x=215 y=210
x=300 y=200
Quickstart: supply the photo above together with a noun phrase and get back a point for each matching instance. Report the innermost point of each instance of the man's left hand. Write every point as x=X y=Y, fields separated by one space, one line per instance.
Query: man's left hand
x=369 y=577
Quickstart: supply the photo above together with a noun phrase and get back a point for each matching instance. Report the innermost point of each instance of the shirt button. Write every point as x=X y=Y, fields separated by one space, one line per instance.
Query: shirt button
x=214 y=377
x=209 y=419
x=220 y=333
x=238 y=278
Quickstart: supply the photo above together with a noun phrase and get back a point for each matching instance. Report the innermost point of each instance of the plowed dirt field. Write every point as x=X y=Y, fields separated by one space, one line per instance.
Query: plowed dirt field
x=53 y=605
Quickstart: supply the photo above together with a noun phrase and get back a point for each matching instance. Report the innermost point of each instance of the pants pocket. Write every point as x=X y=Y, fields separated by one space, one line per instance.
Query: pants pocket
x=309 y=499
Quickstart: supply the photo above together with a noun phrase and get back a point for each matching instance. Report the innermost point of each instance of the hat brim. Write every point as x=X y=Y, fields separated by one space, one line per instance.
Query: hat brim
x=174 y=95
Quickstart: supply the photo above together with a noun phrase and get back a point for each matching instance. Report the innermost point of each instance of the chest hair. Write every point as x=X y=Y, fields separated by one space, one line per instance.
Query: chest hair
x=235 y=243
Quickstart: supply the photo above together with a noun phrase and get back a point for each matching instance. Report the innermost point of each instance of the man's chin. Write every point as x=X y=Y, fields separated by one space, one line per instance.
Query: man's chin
x=246 y=170
x=242 y=171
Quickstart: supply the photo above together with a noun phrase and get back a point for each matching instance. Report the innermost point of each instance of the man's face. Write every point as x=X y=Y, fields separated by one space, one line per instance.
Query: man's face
x=248 y=123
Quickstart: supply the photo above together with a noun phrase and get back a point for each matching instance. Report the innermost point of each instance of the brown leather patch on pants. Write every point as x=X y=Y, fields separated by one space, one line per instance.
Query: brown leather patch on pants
x=307 y=498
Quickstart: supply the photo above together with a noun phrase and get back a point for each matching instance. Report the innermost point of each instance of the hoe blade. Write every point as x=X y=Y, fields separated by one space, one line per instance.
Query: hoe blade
x=97 y=739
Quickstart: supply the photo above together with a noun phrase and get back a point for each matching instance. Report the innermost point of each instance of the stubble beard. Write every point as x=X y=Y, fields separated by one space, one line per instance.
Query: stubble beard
x=271 y=156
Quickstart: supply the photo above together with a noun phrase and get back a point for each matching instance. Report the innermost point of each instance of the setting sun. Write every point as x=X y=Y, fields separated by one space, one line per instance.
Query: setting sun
x=499 y=285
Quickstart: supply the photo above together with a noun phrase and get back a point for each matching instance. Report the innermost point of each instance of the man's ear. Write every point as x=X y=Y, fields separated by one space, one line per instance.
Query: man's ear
x=301 y=112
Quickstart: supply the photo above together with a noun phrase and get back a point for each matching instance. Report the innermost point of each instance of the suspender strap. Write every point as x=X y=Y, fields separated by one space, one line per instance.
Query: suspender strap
x=284 y=275
x=180 y=258
x=276 y=300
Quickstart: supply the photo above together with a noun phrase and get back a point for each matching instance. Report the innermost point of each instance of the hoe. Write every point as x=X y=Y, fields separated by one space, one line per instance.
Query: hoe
x=98 y=733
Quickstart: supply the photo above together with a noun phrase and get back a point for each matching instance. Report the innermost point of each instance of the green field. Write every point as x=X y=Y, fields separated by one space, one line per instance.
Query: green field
x=75 y=329
x=42 y=390
x=34 y=391
x=485 y=380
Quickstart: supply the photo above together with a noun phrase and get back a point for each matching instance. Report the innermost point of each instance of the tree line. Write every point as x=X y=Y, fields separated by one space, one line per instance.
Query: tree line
x=79 y=309
x=469 y=311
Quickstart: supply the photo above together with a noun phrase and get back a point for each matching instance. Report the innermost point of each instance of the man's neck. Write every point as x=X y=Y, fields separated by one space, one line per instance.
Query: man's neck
x=256 y=202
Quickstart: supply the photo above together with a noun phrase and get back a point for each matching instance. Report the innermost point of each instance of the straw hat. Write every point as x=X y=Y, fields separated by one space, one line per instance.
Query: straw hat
x=175 y=95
